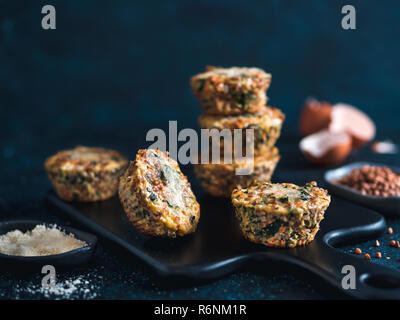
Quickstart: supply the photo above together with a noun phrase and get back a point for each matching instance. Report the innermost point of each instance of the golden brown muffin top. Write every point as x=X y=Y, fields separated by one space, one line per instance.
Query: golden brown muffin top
x=239 y=77
x=86 y=158
x=282 y=198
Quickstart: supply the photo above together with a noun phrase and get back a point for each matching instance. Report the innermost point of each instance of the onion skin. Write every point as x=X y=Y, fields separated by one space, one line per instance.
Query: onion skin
x=318 y=115
x=314 y=116
x=361 y=128
x=334 y=155
x=358 y=143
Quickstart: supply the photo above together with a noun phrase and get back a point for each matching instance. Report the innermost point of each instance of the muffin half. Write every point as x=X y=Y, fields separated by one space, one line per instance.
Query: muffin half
x=266 y=123
x=227 y=91
x=281 y=214
x=157 y=197
x=219 y=180
x=85 y=174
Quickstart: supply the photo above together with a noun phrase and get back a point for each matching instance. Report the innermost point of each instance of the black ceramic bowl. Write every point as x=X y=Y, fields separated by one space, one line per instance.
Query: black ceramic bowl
x=388 y=206
x=64 y=260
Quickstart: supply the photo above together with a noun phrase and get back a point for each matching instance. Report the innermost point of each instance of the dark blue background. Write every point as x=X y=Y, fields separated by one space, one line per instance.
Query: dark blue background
x=114 y=69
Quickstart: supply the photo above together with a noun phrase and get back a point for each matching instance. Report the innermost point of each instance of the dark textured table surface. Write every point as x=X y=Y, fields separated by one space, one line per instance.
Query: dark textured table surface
x=115 y=274
x=113 y=70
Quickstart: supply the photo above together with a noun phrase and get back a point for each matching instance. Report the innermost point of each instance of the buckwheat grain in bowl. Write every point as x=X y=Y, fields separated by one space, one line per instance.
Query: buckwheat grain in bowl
x=219 y=180
x=280 y=214
x=234 y=90
x=378 y=181
x=266 y=123
x=85 y=174
x=156 y=196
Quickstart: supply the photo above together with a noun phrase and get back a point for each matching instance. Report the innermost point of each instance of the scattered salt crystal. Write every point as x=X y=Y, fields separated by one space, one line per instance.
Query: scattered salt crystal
x=69 y=288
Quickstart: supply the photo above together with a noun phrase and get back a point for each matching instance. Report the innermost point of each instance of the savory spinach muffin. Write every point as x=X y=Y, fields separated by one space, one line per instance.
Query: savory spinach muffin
x=85 y=174
x=281 y=214
x=227 y=91
x=267 y=124
x=157 y=197
x=220 y=179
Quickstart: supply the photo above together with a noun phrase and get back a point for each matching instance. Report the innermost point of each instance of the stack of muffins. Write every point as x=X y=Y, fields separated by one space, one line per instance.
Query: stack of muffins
x=235 y=98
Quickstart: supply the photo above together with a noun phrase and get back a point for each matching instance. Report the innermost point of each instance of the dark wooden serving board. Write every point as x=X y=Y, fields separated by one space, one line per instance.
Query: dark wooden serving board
x=217 y=247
